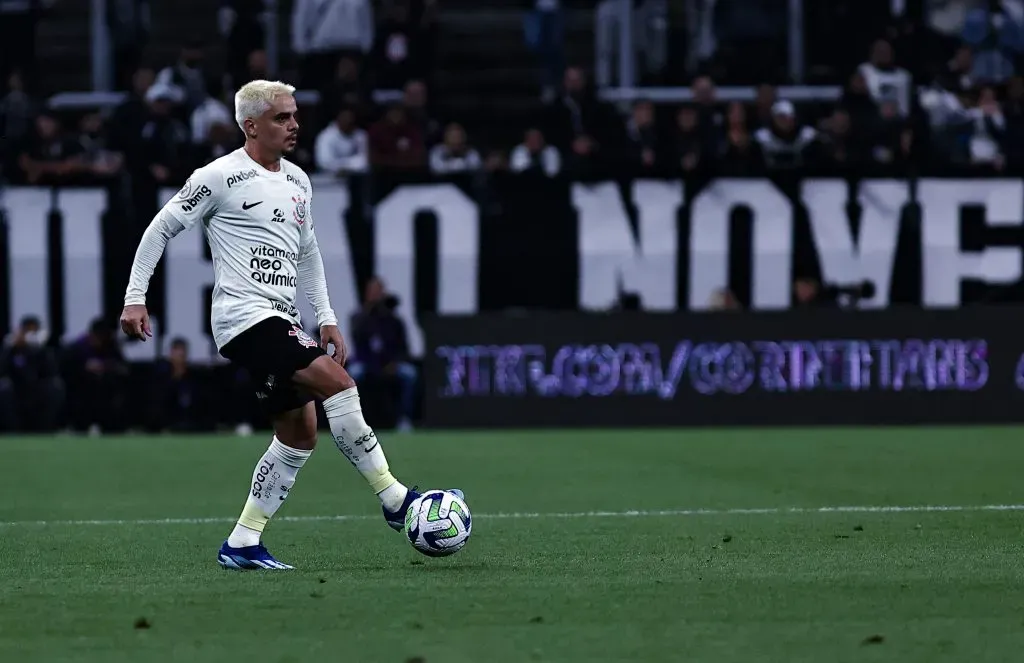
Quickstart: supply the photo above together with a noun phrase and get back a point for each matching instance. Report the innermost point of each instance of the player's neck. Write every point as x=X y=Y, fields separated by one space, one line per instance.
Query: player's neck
x=270 y=161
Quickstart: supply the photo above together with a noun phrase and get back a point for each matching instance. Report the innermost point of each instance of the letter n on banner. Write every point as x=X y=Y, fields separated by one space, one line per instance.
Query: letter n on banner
x=614 y=258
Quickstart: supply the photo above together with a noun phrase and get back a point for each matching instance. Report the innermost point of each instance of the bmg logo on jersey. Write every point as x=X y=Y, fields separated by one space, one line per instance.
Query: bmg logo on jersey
x=238 y=178
x=300 y=209
x=190 y=204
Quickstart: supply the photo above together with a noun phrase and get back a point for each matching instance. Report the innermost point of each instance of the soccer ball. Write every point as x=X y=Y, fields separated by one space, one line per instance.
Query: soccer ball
x=438 y=523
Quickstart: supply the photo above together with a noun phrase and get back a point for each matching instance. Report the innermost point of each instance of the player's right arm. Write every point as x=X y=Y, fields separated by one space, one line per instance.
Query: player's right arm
x=194 y=203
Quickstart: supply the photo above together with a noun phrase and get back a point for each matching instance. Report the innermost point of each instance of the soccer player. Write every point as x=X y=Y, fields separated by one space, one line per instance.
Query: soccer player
x=254 y=208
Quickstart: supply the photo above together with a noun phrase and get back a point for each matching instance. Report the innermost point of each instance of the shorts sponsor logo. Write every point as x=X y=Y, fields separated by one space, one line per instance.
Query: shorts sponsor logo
x=261 y=483
x=191 y=203
x=304 y=339
x=300 y=209
x=296 y=182
x=238 y=178
x=278 y=216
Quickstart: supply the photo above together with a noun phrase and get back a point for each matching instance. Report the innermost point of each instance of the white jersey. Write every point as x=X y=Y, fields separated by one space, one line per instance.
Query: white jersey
x=260 y=231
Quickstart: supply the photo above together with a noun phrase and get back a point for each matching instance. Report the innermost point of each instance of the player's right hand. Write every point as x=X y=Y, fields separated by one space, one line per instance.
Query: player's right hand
x=135 y=322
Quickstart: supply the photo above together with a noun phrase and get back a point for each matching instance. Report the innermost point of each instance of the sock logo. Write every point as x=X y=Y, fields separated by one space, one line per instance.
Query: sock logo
x=261 y=475
x=284 y=492
x=364 y=442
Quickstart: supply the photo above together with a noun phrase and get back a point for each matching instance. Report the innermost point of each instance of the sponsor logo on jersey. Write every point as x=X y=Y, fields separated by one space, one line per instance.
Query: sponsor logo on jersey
x=300 y=209
x=267 y=264
x=238 y=178
x=190 y=204
x=278 y=216
x=296 y=182
x=304 y=339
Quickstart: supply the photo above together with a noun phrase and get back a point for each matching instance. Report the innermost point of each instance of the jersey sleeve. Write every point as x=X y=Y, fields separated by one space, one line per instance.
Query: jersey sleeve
x=199 y=199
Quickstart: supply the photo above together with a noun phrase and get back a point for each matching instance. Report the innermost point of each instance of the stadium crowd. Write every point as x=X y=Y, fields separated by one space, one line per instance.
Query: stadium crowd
x=941 y=84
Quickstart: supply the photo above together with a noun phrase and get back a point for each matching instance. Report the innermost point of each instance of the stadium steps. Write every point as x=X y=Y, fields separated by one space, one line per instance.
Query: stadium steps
x=64 y=40
x=486 y=76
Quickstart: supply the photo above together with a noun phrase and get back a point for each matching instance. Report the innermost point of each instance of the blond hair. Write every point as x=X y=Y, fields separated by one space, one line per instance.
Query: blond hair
x=254 y=98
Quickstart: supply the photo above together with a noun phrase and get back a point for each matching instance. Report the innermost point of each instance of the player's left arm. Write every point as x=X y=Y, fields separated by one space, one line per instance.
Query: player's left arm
x=314 y=282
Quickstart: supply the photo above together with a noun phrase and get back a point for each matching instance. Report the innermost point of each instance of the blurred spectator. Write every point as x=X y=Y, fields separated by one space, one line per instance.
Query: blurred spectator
x=545 y=35
x=403 y=46
x=840 y=146
x=892 y=139
x=240 y=23
x=213 y=110
x=128 y=23
x=959 y=73
x=414 y=97
x=324 y=30
x=163 y=138
x=584 y=129
x=709 y=115
x=885 y=81
x=346 y=90
x=186 y=77
x=395 y=142
x=49 y=156
x=750 y=36
x=995 y=30
x=18 y=20
x=765 y=98
x=17 y=116
x=31 y=390
x=257 y=67
x=95 y=369
x=807 y=293
x=649 y=38
x=858 y=102
x=739 y=155
x=222 y=138
x=1013 y=110
x=534 y=155
x=381 y=350
x=342 y=148
x=786 y=143
x=642 y=137
x=176 y=397
x=690 y=141
x=989 y=131
x=724 y=300
x=130 y=116
x=454 y=155
x=98 y=159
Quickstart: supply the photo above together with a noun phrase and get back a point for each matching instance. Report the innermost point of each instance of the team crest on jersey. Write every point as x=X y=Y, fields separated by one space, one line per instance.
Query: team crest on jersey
x=186 y=191
x=304 y=339
x=300 y=209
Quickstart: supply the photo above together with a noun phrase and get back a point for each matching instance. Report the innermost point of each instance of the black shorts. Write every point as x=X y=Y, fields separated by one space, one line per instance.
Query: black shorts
x=271 y=351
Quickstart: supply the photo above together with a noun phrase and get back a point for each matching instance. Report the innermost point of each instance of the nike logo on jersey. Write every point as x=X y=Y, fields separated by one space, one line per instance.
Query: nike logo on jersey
x=247 y=206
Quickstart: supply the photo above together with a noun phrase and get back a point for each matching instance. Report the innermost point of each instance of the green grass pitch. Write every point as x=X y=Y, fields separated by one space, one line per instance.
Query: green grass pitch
x=707 y=545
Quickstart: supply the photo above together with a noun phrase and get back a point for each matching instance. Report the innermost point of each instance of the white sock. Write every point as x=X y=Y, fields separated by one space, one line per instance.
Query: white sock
x=359 y=443
x=272 y=480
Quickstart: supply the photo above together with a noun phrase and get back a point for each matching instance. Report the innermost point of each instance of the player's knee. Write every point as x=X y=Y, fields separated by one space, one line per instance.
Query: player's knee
x=324 y=378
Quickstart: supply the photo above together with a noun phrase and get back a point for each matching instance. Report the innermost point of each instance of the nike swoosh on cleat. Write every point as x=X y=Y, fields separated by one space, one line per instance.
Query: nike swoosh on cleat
x=246 y=206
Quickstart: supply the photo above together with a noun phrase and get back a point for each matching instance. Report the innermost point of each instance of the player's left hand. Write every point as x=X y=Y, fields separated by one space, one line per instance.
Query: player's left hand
x=331 y=335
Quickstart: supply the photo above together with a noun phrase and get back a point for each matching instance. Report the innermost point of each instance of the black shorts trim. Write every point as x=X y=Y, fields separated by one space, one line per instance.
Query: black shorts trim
x=271 y=351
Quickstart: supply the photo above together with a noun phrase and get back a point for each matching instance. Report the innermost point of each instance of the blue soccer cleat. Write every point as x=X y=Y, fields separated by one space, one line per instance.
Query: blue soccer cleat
x=396 y=520
x=250 y=558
